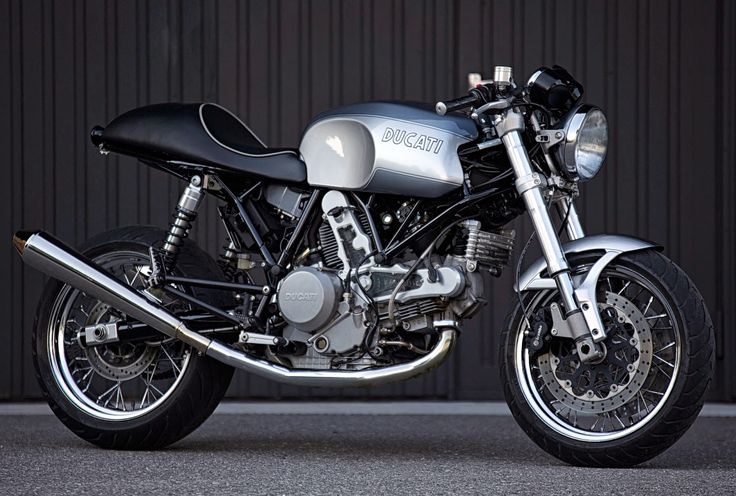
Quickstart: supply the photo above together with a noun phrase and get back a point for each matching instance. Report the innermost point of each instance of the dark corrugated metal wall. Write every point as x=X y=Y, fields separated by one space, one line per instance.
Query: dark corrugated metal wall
x=663 y=70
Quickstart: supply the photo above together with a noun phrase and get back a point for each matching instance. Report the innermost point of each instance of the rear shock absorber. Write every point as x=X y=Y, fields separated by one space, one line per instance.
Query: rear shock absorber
x=184 y=215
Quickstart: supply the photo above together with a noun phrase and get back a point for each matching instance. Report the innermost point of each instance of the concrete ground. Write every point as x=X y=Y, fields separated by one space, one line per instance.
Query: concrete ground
x=350 y=448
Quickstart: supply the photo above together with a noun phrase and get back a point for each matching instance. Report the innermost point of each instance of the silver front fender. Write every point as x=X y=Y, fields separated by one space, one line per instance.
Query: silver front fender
x=611 y=246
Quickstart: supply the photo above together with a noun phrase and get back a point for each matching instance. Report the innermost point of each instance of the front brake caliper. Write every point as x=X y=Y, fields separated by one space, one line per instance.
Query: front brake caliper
x=537 y=334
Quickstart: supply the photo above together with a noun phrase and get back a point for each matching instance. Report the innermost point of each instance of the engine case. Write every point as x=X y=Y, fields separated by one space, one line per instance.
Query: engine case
x=308 y=298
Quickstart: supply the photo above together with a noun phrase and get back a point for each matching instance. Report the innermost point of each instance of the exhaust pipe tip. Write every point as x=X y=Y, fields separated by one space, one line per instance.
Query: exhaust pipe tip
x=20 y=239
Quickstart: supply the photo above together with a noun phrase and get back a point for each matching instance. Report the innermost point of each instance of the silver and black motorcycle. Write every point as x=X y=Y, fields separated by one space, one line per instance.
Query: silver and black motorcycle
x=354 y=260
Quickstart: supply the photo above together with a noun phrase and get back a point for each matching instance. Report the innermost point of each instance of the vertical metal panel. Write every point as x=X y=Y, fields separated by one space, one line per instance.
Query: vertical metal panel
x=10 y=279
x=663 y=70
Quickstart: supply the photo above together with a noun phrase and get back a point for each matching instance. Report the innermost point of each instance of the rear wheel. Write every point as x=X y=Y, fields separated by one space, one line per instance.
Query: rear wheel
x=649 y=388
x=126 y=395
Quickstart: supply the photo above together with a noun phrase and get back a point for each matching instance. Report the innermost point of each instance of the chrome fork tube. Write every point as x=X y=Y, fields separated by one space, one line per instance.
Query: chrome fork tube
x=528 y=184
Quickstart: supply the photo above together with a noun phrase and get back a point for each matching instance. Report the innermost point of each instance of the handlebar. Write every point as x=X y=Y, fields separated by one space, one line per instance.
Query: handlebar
x=463 y=102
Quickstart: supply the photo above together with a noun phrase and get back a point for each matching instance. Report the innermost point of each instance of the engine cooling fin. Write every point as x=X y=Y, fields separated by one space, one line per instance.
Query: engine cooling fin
x=329 y=244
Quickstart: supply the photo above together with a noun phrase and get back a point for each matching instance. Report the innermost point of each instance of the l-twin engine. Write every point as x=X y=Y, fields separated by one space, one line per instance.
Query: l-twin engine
x=347 y=302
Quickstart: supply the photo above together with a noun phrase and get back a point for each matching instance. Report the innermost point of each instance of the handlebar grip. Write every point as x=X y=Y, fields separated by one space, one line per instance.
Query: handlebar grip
x=458 y=103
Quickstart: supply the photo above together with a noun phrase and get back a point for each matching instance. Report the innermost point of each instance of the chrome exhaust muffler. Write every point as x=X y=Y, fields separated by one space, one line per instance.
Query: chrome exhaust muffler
x=44 y=252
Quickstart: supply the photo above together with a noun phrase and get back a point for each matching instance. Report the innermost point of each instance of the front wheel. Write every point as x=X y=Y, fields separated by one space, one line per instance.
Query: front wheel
x=643 y=395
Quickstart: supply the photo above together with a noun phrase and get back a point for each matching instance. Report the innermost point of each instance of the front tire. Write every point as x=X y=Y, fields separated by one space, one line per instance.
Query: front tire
x=143 y=395
x=642 y=398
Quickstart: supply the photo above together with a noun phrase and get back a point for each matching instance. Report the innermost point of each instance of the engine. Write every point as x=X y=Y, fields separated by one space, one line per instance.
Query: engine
x=337 y=317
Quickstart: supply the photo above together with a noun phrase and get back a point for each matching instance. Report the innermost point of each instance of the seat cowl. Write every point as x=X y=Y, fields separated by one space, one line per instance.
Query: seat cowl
x=200 y=133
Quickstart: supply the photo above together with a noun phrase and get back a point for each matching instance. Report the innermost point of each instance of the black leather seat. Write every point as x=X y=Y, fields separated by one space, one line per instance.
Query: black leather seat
x=199 y=133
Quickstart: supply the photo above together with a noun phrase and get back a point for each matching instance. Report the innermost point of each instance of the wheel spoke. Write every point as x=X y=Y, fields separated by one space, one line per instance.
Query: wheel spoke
x=649 y=304
x=619 y=420
x=625 y=286
x=656 y=316
x=119 y=396
x=657 y=393
x=597 y=419
x=665 y=347
x=82 y=369
x=659 y=367
x=663 y=360
x=88 y=377
x=137 y=273
x=173 y=363
x=148 y=383
x=108 y=394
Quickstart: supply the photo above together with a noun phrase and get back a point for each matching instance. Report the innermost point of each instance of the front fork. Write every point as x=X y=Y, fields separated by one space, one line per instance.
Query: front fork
x=581 y=317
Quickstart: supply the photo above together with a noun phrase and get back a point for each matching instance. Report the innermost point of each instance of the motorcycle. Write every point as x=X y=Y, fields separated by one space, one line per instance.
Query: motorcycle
x=353 y=261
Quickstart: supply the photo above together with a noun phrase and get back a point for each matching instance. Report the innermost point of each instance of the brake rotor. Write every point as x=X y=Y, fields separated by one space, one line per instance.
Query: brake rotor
x=607 y=385
x=118 y=361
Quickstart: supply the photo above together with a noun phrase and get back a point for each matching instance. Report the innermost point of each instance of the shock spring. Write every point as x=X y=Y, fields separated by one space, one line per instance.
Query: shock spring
x=184 y=215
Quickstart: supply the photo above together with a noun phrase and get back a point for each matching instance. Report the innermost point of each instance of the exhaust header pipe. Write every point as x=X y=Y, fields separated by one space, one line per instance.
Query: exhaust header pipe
x=47 y=254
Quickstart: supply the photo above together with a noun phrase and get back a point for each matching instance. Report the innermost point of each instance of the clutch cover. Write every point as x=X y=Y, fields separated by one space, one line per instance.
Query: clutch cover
x=308 y=298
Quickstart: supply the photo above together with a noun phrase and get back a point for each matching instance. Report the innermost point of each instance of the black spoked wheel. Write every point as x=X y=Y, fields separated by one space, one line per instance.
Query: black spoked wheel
x=140 y=394
x=118 y=381
x=647 y=390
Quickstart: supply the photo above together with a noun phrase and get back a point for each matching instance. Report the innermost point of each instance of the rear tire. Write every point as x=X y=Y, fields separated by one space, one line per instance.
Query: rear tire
x=649 y=433
x=195 y=393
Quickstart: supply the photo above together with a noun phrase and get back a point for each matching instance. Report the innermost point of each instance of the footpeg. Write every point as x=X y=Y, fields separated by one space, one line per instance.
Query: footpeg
x=158 y=269
x=264 y=339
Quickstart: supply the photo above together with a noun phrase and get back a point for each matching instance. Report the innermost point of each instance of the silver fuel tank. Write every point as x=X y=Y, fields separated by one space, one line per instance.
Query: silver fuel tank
x=386 y=147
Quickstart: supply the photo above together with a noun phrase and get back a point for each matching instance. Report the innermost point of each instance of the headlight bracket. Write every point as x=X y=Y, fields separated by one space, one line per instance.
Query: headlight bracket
x=549 y=137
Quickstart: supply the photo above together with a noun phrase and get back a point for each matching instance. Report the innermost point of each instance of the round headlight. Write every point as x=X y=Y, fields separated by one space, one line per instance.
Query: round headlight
x=583 y=150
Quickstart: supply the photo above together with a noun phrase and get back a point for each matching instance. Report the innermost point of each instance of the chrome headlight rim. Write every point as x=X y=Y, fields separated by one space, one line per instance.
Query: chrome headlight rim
x=567 y=149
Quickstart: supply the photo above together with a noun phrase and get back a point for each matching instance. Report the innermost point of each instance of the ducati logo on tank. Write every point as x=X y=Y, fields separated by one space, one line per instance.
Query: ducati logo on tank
x=412 y=140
